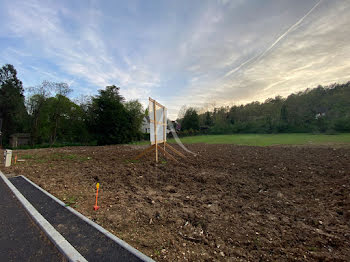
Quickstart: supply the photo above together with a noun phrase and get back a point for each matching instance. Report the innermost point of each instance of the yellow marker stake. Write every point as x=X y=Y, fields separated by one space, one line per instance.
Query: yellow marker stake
x=96 y=207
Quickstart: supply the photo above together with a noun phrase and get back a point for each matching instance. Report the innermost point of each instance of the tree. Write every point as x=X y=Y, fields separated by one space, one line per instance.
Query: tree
x=208 y=120
x=136 y=114
x=12 y=108
x=108 y=119
x=35 y=104
x=56 y=118
x=190 y=120
x=182 y=112
x=62 y=90
x=71 y=120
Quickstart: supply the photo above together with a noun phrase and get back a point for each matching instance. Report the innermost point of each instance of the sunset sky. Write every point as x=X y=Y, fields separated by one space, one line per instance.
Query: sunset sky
x=194 y=53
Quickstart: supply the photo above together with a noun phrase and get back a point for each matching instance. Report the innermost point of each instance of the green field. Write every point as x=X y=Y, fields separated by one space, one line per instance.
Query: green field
x=267 y=139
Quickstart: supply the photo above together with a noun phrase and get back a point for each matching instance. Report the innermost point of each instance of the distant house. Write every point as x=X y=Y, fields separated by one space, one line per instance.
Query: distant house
x=19 y=139
x=145 y=127
x=320 y=115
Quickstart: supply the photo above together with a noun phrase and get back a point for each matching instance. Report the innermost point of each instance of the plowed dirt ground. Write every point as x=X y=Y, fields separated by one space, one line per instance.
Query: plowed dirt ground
x=228 y=203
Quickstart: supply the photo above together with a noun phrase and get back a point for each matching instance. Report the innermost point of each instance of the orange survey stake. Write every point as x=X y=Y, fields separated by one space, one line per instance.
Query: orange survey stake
x=96 y=207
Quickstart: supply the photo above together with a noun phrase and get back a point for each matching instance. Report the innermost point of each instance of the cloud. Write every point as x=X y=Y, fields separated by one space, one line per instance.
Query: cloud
x=181 y=52
x=80 y=53
x=316 y=52
x=258 y=57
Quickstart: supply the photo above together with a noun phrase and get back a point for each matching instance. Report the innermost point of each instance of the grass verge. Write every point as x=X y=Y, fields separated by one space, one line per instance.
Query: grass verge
x=264 y=139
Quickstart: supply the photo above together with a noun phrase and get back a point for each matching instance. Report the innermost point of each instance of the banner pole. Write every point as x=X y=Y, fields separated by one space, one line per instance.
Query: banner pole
x=164 y=128
x=155 y=129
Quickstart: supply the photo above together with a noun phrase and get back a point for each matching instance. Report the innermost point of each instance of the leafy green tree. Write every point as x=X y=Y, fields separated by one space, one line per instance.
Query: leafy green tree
x=12 y=108
x=208 y=119
x=108 y=119
x=62 y=90
x=190 y=120
x=55 y=119
x=71 y=125
x=35 y=104
x=136 y=114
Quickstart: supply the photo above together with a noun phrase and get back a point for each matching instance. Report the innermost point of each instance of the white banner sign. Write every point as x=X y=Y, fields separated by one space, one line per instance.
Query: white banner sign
x=158 y=121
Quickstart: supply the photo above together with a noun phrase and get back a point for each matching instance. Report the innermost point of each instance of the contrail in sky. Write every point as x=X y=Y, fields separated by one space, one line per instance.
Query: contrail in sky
x=258 y=57
x=240 y=66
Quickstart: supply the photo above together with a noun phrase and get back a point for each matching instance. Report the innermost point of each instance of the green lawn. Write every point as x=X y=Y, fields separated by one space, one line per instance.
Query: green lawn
x=266 y=139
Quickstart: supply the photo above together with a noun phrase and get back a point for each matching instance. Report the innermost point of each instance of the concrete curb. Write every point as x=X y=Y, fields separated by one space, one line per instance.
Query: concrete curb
x=56 y=238
x=98 y=227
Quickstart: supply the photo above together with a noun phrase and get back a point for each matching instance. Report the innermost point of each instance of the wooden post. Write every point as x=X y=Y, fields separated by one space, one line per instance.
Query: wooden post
x=145 y=152
x=175 y=151
x=155 y=129
x=164 y=128
x=166 y=154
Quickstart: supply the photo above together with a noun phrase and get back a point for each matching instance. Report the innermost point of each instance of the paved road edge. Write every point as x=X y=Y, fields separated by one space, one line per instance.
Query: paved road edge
x=120 y=242
x=57 y=239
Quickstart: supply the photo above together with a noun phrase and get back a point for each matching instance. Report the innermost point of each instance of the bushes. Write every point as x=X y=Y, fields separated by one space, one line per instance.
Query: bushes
x=342 y=124
x=221 y=128
x=188 y=132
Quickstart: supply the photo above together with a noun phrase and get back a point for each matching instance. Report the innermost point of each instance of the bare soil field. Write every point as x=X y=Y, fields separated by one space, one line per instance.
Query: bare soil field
x=228 y=203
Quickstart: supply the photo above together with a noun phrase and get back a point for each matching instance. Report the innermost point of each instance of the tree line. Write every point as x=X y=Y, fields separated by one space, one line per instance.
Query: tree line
x=319 y=110
x=52 y=118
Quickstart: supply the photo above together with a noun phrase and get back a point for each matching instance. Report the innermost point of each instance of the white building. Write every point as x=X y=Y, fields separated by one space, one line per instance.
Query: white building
x=145 y=127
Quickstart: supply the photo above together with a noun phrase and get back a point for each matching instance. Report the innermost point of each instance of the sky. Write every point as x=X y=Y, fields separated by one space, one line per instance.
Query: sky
x=195 y=53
